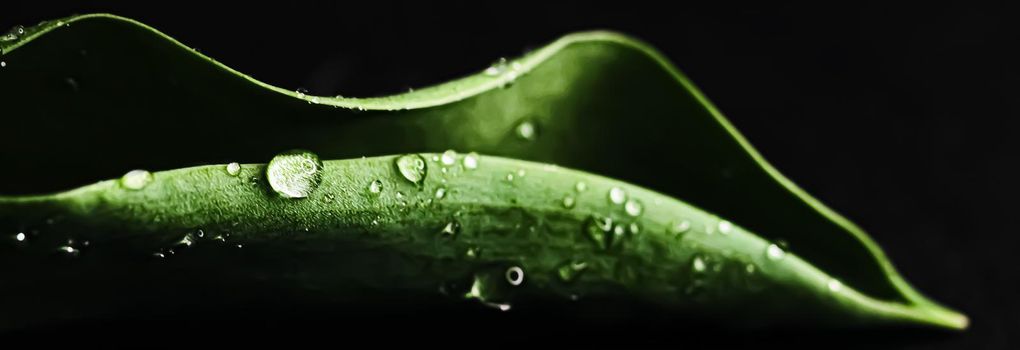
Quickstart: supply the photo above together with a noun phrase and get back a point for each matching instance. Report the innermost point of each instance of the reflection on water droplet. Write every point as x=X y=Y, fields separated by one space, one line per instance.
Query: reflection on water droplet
x=633 y=207
x=375 y=187
x=617 y=195
x=294 y=174
x=526 y=130
x=725 y=227
x=581 y=186
x=449 y=157
x=515 y=275
x=440 y=192
x=136 y=179
x=233 y=169
x=570 y=271
x=568 y=202
x=412 y=167
x=471 y=161
x=20 y=236
x=773 y=252
x=835 y=285
x=451 y=229
x=69 y=251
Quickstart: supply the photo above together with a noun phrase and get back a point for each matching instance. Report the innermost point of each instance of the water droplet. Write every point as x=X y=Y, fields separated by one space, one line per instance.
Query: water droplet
x=449 y=157
x=570 y=271
x=187 y=241
x=515 y=275
x=301 y=92
x=749 y=268
x=412 y=167
x=521 y=173
x=471 y=161
x=136 y=179
x=510 y=177
x=496 y=68
x=200 y=233
x=581 y=186
x=598 y=229
x=680 y=227
x=294 y=174
x=773 y=252
x=20 y=236
x=375 y=187
x=633 y=207
x=14 y=34
x=617 y=195
x=526 y=130
x=568 y=202
x=233 y=169
x=440 y=192
x=473 y=252
x=698 y=264
x=3 y=64
x=69 y=251
x=725 y=227
x=835 y=285
x=634 y=228
x=451 y=229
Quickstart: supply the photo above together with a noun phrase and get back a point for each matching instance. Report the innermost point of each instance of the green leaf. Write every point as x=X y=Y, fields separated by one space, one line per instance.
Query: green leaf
x=601 y=102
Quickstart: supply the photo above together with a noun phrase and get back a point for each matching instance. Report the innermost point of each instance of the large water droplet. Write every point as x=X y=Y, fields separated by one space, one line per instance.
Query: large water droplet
x=633 y=207
x=471 y=161
x=617 y=195
x=233 y=169
x=412 y=167
x=294 y=174
x=526 y=130
x=570 y=271
x=449 y=157
x=375 y=187
x=136 y=179
x=515 y=276
x=774 y=252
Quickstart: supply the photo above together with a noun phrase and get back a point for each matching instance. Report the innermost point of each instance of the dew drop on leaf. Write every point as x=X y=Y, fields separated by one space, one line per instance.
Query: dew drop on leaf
x=633 y=207
x=774 y=252
x=526 y=130
x=568 y=202
x=440 y=192
x=698 y=264
x=294 y=174
x=449 y=157
x=471 y=161
x=412 y=167
x=835 y=285
x=515 y=275
x=617 y=195
x=233 y=169
x=599 y=229
x=451 y=229
x=136 y=179
x=725 y=227
x=581 y=186
x=680 y=227
x=20 y=237
x=375 y=187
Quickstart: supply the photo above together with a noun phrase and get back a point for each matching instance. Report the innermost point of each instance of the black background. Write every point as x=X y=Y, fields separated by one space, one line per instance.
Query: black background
x=901 y=118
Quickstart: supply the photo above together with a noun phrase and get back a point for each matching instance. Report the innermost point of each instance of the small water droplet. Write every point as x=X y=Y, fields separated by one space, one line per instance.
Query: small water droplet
x=581 y=186
x=451 y=229
x=412 y=167
x=375 y=187
x=471 y=161
x=473 y=252
x=725 y=227
x=521 y=173
x=233 y=169
x=515 y=275
x=510 y=177
x=570 y=271
x=698 y=264
x=568 y=202
x=634 y=228
x=20 y=236
x=200 y=233
x=749 y=269
x=301 y=92
x=497 y=68
x=835 y=285
x=294 y=174
x=617 y=195
x=774 y=252
x=187 y=241
x=136 y=179
x=599 y=229
x=69 y=251
x=3 y=64
x=633 y=207
x=680 y=227
x=526 y=130
x=449 y=157
x=440 y=192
